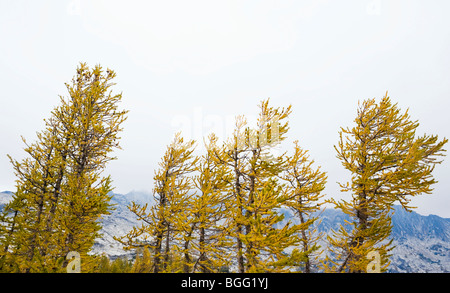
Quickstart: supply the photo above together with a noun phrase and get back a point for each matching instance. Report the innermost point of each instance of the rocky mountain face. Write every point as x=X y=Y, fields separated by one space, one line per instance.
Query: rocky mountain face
x=421 y=242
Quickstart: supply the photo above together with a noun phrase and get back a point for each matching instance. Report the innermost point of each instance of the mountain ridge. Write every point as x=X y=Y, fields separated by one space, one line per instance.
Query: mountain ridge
x=421 y=242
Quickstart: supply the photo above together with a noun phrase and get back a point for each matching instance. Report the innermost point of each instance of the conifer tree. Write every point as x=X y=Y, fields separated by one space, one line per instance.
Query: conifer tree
x=302 y=195
x=265 y=243
x=143 y=261
x=118 y=265
x=25 y=215
x=208 y=210
x=255 y=193
x=388 y=164
x=160 y=229
x=61 y=193
x=233 y=159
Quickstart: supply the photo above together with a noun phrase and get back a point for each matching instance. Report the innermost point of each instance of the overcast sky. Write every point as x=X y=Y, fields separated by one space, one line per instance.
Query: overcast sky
x=195 y=65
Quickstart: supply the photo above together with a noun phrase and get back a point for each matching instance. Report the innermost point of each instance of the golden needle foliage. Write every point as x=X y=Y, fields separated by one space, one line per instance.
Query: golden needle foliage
x=61 y=194
x=222 y=210
x=388 y=164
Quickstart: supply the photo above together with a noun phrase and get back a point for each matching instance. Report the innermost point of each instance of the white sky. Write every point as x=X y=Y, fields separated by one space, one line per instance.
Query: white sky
x=194 y=65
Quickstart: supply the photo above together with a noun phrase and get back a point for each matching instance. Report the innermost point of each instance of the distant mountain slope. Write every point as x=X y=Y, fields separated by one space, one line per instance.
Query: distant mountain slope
x=118 y=223
x=422 y=242
x=5 y=197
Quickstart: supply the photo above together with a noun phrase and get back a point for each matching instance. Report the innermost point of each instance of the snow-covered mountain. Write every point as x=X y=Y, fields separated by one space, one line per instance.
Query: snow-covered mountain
x=119 y=223
x=5 y=197
x=422 y=242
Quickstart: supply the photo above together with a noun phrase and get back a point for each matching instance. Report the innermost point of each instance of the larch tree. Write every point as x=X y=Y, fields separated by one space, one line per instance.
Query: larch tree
x=388 y=163
x=161 y=223
x=255 y=193
x=24 y=216
x=265 y=242
x=205 y=242
x=303 y=196
x=232 y=158
x=61 y=194
x=143 y=261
